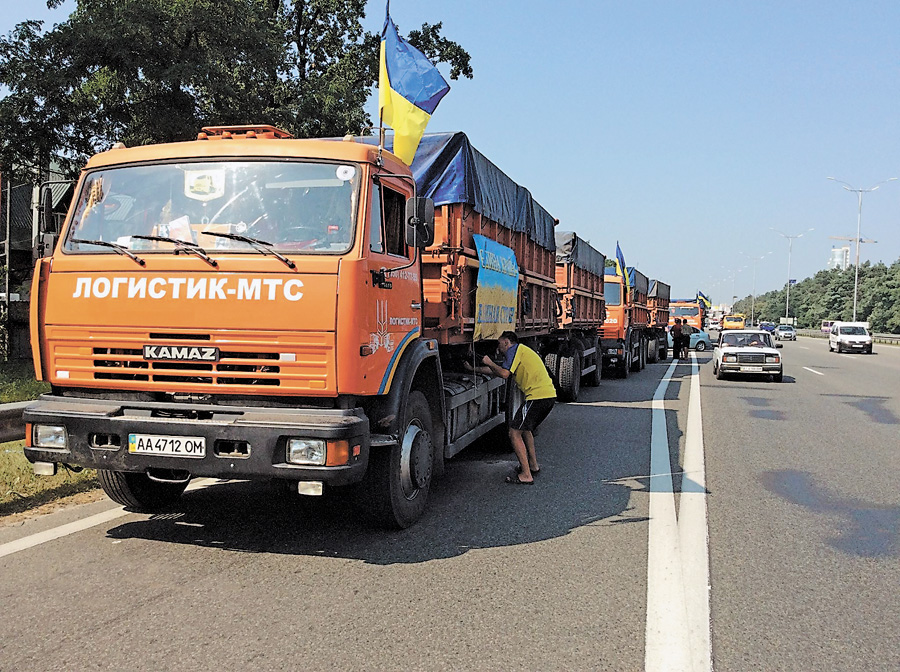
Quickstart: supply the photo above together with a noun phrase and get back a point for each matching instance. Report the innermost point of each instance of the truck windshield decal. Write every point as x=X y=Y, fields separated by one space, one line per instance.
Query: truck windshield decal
x=220 y=288
x=296 y=207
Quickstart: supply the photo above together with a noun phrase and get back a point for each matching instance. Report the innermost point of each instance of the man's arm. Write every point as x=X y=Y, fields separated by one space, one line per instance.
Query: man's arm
x=489 y=368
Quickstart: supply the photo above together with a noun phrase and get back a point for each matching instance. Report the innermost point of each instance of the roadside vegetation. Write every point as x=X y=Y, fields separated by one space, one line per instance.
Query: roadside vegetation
x=21 y=490
x=828 y=295
x=17 y=382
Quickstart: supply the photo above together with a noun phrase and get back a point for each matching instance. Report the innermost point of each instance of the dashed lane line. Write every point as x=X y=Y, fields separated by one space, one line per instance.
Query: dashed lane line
x=818 y=373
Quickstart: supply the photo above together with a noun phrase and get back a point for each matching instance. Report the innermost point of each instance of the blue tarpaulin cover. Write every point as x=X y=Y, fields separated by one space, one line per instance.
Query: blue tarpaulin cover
x=448 y=169
x=570 y=249
x=639 y=281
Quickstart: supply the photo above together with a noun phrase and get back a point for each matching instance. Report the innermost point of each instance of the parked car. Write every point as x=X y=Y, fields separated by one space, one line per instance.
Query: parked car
x=700 y=340
x=747 y=351
x=850 y=336
x=785 y=332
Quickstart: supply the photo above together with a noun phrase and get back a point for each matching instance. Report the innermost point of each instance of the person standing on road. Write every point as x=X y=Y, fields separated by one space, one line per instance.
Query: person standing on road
x=676 y=339
x=530 y=375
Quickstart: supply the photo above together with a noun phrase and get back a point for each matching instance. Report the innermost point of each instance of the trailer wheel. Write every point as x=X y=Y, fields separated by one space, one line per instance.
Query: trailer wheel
x=652 y=350
x=664 y=350
x=551 y=361
x=642 y=353
x=624 y=367
x=570 y=377
x=137 y=491
x=399 y=479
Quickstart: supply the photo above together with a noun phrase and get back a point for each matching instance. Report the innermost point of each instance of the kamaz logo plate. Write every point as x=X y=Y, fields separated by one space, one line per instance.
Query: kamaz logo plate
x=181 y=353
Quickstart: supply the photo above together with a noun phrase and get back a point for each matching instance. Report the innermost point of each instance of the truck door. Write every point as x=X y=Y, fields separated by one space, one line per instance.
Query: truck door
x=394 y=317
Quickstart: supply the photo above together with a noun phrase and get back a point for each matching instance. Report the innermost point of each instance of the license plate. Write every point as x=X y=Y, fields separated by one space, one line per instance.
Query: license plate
x=751 y=369
x=171 y=446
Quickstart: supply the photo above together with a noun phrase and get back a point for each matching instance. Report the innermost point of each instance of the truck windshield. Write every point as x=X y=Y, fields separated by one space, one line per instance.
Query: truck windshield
x=612 y=292
x=685 y=311
x=296 y=207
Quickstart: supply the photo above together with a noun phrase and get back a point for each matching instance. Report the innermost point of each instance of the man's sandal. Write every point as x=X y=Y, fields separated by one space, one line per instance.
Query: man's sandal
x=514 y=479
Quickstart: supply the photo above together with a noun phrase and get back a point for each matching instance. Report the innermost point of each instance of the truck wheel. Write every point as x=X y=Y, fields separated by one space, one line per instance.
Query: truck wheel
x=643 y=354
x=701 y=346
x=399 y=479
x=570 y=377
x=136 y=491
x=551 y=361
x=664 y=350
x=624 y=366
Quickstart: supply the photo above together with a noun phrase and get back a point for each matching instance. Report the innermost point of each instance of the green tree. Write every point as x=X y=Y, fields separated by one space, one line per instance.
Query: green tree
x=143 y=71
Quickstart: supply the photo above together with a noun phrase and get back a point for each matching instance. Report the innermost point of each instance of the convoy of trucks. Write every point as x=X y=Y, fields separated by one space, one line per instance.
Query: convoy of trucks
x=249 y=305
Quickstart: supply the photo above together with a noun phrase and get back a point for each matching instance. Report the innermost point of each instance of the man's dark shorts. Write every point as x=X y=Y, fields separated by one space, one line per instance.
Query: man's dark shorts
x=531 y=414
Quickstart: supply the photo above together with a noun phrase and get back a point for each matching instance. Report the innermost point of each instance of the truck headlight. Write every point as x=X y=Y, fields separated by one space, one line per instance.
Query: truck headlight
x=50 y=436
x=772 y=359
x=306 y=451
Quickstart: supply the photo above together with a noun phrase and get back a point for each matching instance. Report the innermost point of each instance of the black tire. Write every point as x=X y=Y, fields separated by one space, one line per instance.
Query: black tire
x=643 y=353
x=570 y=377
x=551 y=361
x=720 y=375
x=778 y=377
x=830 y=349
x=137 y=492
x=701 y=346
x=635 y=363
x=623 y=368
x=399 y=478
x=652 y=350
x=664 y=350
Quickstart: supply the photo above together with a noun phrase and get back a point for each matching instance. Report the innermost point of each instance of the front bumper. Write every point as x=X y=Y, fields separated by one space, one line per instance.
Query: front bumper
x=751 y=369
x=97 y=436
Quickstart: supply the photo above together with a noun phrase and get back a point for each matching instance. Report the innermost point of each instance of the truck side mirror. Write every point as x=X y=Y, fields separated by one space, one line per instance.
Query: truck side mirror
x=419 y=222
x=46 y=238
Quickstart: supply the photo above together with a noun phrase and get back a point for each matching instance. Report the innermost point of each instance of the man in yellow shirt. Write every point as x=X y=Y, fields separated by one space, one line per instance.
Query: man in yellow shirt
x=530 y=374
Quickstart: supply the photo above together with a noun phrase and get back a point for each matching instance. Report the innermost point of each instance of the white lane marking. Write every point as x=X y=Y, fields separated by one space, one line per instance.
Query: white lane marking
x=818 y=373
x=803 y=347
x=666 y=641
x=77 y=526
x=693 y=531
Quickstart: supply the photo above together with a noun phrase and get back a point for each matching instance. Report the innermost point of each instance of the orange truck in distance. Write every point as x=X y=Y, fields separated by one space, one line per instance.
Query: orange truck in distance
x=691 y=311
x=252 y=306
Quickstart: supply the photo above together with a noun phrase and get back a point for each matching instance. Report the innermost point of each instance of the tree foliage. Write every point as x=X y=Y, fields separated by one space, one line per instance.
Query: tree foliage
x=828 y=295
x=144 y=71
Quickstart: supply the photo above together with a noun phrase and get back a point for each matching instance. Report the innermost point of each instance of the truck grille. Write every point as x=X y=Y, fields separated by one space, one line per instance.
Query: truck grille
x=283 y=363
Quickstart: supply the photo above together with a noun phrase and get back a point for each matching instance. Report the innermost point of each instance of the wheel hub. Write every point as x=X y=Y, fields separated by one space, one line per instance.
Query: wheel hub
x=415 y=460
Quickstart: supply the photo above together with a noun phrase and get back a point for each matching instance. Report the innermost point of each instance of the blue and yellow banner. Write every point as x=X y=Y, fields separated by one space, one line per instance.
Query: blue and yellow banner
x=621 y=269
x=497 y=289
x=701 y=297
x=409 y=89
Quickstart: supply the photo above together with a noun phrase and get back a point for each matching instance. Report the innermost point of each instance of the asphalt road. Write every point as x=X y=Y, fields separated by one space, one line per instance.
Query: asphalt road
x=803 y=508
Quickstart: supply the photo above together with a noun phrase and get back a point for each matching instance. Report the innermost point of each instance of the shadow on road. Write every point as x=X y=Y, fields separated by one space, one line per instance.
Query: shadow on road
x=591 y=460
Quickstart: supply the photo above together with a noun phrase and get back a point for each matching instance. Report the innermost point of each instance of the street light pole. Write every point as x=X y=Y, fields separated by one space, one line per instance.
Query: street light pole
x=753 y=294
x=787 y=300
x=859 y=194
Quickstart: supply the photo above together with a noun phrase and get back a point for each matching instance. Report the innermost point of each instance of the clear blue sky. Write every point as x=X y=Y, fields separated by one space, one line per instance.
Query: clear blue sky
x=683 y=130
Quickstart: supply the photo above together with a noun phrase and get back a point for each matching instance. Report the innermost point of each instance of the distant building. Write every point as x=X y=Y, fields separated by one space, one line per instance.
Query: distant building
x=840 y=258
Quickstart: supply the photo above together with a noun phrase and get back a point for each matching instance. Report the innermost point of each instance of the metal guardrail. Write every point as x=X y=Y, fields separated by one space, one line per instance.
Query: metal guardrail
x=892 y=339
x=12 y=425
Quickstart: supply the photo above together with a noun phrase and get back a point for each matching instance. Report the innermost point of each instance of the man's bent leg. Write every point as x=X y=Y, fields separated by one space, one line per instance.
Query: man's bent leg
x=528 y=437
x=518 y=444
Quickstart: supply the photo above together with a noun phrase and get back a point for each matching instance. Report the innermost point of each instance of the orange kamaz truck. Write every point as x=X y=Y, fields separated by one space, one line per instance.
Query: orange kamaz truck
x=252 y=306
x=630 y=336
x=691 y=311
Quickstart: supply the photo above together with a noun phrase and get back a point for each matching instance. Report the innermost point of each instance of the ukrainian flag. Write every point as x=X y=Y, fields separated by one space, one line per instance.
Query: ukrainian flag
x=702 y=297
x=409 y=89
x=621 y=269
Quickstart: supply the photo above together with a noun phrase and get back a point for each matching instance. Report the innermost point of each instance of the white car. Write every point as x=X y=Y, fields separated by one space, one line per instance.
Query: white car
x=747 y=351
x=850 y=337
x=785 y=332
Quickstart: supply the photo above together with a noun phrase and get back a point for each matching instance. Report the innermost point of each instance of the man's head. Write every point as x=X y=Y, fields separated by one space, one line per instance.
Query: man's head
x=506 y=341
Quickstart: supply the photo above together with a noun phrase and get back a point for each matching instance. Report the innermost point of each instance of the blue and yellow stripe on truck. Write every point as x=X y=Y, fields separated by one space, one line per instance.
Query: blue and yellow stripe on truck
x=395 y=359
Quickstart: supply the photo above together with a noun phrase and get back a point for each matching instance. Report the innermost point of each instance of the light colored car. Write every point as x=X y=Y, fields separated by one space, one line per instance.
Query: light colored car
x=747 y=351
x=785 y=332
x=850 y=337
x=700 y=340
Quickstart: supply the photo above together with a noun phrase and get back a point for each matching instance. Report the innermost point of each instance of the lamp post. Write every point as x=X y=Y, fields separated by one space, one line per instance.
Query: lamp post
x=753 y=294
x=859 y=194
x=787 y=300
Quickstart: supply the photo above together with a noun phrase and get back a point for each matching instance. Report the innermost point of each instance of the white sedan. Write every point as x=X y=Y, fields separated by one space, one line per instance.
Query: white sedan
x=747 y=351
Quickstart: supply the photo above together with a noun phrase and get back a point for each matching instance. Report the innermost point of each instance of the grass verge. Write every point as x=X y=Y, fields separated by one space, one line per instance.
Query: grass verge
x=17 y=382
x=21 y=490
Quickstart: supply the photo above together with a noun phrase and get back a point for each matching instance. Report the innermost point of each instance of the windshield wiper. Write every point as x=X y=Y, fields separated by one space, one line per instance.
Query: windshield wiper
x=183 y=245
x=120 y=249
x=261 y=245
